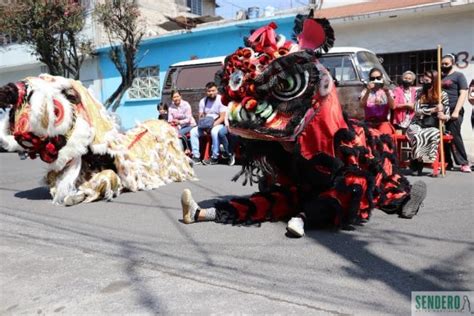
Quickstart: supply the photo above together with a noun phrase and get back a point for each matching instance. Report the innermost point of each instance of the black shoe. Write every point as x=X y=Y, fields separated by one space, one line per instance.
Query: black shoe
x=225 y=155
x=212 y=161
x=414 y=167
x=196 y=161
x=420 y=168
x=417 y=195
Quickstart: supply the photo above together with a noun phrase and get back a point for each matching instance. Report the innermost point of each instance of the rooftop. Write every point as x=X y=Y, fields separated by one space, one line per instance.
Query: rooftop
x=373 y=6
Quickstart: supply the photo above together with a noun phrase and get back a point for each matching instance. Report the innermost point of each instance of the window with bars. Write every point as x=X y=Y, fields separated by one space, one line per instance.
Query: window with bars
x=146 y=85
x=417 y=61
x=195 y=6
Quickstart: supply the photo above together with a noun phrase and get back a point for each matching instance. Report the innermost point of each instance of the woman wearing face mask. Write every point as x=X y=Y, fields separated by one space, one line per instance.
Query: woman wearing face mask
x=377 y=100
x=404 y=96
x=423 y=132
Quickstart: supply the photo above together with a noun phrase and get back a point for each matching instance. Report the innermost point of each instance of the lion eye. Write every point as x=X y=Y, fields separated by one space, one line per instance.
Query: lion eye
x=236 y=80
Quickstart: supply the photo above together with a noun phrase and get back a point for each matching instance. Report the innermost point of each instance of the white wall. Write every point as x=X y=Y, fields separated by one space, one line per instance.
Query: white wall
x=90 y=76
x=17 y=75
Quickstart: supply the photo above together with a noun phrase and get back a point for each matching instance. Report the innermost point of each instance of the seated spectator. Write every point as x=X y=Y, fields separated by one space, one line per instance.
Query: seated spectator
x=162 y=111
x=377 y=100
x=228 y=141
x=404 y=105
x=180 y=115
x=423 y=133
x=212 y=108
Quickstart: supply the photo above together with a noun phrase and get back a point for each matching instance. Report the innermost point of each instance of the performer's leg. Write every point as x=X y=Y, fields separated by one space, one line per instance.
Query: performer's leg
x=396 y=194
x=280 y=203
x=192 y=212
x=415 y=199
x=105 y=184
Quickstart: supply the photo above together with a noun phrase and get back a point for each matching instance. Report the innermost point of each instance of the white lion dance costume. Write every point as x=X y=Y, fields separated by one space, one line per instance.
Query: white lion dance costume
x=88 y=159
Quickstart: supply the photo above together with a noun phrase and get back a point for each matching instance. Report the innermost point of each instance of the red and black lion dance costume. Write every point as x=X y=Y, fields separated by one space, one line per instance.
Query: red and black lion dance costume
x=310 y=161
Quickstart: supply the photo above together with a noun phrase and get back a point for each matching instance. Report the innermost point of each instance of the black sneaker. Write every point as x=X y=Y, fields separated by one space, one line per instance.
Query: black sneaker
x=196 y=161
x=212 y=161
x=417 y=195
x=225 y=155
x=231 y=160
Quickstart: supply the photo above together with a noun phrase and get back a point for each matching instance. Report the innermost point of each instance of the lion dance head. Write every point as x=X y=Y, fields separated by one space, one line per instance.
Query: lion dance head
x=271 y=83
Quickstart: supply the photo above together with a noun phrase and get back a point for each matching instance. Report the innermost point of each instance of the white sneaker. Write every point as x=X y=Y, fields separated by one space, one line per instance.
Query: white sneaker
x=296 y=226
x=231 y=161
x=189 y=206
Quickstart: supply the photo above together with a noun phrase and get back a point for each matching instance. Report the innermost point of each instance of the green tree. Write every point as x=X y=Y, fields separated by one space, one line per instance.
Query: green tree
x=120 y=19
x=51 y=28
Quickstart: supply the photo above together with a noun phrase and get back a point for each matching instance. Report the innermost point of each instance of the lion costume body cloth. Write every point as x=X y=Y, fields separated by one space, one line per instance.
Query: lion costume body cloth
x=306 y=156
x=88 y=158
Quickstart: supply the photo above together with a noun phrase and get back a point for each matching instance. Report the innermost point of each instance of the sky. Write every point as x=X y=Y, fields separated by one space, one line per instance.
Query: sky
x=228 y=8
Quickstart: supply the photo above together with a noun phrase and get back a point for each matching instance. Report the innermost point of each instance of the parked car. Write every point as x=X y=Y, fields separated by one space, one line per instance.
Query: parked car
x=349 y=67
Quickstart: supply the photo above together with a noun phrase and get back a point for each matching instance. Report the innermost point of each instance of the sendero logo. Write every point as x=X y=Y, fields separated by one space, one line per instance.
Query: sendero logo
x=442 y=303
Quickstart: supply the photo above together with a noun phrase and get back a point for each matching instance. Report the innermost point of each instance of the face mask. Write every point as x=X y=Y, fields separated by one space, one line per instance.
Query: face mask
x=378 y=83
x=427 y=86
x=446 y=69
x=406 y=83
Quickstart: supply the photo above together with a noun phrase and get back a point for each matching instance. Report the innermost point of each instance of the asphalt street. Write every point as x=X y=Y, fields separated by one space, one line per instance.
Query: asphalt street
x=133 y=255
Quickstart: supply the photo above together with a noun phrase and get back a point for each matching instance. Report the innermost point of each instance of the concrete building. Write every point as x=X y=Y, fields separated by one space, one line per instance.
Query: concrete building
x=17 y=61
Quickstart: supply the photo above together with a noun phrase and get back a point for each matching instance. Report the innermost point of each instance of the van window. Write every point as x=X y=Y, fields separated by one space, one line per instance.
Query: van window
x=196 y=77
x=169 y=78
x=368 y=61
x=340 y=66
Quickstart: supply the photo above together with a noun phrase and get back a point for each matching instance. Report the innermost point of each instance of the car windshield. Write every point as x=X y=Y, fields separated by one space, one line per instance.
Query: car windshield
x=367 y=61
x=340 y=67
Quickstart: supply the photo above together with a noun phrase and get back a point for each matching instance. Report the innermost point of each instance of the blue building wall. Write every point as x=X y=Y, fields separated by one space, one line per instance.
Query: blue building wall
x=169 y=49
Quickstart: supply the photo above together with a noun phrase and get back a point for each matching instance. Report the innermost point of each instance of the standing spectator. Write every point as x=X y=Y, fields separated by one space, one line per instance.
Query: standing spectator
x=455 y=85
x=470 y=97
x=209 y=107
x=377 y=100
x=404 y=97
x=423 y=133
x=180 y=115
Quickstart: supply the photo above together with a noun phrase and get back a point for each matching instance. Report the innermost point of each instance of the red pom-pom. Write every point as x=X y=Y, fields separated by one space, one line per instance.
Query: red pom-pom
x=50 y=148
x=224 y=99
